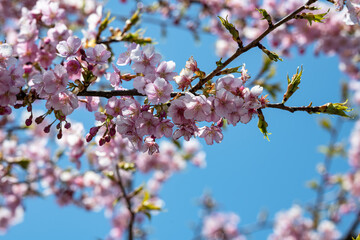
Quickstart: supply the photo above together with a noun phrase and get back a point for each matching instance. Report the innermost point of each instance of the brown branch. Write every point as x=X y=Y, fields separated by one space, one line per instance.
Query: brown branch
x=352 y=229
x=334 y=133
x=251 y=45
x=109 y=94
x=115 y=93
x=128 y=203
x=308 y=109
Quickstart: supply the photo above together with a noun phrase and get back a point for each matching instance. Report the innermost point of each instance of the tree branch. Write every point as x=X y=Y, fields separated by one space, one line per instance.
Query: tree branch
x=334 y=133
x=251 y=45
x=128 y=203
x=352 y=229
x=114 y=93
x=308 y=109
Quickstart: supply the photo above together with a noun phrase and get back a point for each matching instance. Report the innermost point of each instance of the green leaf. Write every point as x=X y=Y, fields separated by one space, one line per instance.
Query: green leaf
x=229 y=71
x=138 y=190
x=147 y=206
x=272 y=55
x=177 y=143
x=312 y=17
x=104 y=23
x=24 y=163
x=136 y=38
x=336 y=150
x=265 y=15
x=293 y=84
x=232 y=30
x=127 y=166
x=325 y=123
x=110 y=175
x=219 y=63
x=339 y=109
x=313 y=184
x=357 y=238
x=147 y=214
x=262 y=125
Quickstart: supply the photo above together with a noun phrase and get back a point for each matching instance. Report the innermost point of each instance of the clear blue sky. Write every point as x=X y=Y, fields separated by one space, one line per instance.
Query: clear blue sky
x=245 y=173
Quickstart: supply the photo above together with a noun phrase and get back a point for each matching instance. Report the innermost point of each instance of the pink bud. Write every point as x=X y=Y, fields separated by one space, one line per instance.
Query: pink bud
x=94 y=130
x=47 y=129
x=102 y=141
x=59 y=135
x=89 y=137
x=67 y=125
x=28 y=122
x=39 y=120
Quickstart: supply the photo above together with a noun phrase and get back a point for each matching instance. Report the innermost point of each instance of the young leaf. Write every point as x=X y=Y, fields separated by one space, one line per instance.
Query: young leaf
x=272 y=55
x=312 y=17
x=24 y=163
x=326 y=124
x=293 y=84
x=339 y=109
x=232 y=30
x=357 y=238
x=262 y=125
x=229 y=71
x=219 y=63
x=266 y=16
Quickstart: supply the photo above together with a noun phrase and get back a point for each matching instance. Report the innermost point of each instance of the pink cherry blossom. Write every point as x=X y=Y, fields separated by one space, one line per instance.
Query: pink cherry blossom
x=184 y=79
x=124 y=58
x=197 y=107
x=211 y=134
x=144 y=60
x=73 y=68
x=221 y=226
x=69 y=47
x=58 y=33
x=150 y=145
x=66 y=102
x=353 y=15
x=98 y=54
x=92 y=103
x=140 y=83
x=165 y=70
x=114 y=106
x=159 y=91
x=146 y=124
x=165 y=128
x=56 y=80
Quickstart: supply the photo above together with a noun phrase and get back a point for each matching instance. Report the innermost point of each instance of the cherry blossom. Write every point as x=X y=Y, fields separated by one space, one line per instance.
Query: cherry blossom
x=69 y=47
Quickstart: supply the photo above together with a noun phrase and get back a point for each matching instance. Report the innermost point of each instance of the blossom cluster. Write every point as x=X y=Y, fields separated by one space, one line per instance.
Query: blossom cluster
x=338 y=34
x=163 y=114
x=43 y=59
x=293 y=225
x=28 y=169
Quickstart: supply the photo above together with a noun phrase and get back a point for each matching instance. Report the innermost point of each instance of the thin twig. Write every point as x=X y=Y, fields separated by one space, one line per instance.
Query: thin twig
x=334 y=133
x=352 y=229
x=308 y=109
x=128 y=203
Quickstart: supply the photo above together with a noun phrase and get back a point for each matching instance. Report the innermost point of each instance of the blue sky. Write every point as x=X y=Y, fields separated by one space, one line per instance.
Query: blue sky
x=245 y=173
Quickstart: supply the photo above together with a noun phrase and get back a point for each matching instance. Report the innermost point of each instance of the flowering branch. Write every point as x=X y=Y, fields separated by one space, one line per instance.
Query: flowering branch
x=113 y=93
x=251 y=45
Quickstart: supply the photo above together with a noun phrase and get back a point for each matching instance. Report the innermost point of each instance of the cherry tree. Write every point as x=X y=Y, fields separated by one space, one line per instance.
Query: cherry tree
x=59 y=58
